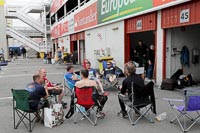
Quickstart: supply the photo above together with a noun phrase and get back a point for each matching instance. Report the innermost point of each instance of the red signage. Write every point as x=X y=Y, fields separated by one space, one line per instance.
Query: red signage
x=65 y=28
x=56 y=4
x=146 y=22
x=81 y=36
x=56 y=31
x=181 y=15
x=73 y=37
x=161 y=2
x=86 y=18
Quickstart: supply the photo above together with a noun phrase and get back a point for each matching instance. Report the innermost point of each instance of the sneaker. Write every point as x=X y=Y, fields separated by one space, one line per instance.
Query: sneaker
x=118 y=87
x=137 y=114
x=100 y=115
x=124 y=114
x=42 y=121
x=64 y=105
x=38 y=118
x=114 y=84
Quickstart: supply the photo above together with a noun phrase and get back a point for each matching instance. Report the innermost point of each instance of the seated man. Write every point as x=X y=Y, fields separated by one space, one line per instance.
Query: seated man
x=129 y=71
x=71 y=76
x=87 y=82
x=38 y=92
x=93 y=75
x=109 y=72
x=30 y=87
x=52 y=89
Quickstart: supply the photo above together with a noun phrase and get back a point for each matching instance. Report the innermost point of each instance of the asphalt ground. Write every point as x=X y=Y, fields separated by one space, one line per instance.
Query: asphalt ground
x=19 y=72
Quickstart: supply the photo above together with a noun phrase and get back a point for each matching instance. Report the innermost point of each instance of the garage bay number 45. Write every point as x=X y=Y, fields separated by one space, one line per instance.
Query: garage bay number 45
x=185 y=16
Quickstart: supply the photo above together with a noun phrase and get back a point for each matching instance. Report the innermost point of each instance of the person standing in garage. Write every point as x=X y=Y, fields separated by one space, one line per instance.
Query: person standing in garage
x=141 y=50
x=151 y=59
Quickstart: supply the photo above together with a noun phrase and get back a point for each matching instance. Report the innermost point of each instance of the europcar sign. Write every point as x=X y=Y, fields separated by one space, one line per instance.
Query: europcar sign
x=113 y=9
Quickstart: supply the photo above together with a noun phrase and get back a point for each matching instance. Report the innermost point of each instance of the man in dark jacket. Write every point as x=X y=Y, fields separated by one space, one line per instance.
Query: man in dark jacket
x=23 y=52
x=141 y=51
x=151 y=58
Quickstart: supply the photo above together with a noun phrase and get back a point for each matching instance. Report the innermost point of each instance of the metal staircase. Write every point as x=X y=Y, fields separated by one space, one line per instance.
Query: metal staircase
x=23 y=38
x=31 y=7
x=27 y=19
x=12 y=12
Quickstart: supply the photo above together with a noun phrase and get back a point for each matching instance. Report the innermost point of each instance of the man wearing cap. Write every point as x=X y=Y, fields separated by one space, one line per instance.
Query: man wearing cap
x=109 y=72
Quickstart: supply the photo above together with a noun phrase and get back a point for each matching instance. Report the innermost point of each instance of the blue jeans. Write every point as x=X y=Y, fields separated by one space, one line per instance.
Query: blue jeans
x=150 y=71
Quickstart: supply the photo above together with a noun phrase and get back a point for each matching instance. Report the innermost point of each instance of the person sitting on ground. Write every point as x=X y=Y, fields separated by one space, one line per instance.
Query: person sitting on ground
x=131 y=77
x=109 y=72
x=87 y=82
x=93 y=75
x=52 y=88
x=71 y=76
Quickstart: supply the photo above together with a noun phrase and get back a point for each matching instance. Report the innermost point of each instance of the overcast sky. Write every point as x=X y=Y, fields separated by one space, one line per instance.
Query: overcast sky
x=23 y=2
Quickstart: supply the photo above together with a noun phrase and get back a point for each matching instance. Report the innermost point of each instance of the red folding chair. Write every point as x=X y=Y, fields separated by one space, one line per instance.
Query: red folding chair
x=85 y=104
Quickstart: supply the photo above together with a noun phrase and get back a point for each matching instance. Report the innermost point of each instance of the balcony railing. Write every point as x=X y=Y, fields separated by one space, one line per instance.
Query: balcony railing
x=73 y=10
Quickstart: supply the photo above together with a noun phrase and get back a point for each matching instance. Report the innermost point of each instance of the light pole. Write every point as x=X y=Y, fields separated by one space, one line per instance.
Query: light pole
x=45 y=28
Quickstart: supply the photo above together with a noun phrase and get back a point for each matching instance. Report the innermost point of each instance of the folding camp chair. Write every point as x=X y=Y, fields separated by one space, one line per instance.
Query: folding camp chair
x=85 y=104
x=190 y=104
x=141 y=105
x=70 y=86
x=22 y=108
x=105 y=81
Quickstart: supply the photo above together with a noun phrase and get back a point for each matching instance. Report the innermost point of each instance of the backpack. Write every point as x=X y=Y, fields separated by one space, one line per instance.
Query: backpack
x=71 y=110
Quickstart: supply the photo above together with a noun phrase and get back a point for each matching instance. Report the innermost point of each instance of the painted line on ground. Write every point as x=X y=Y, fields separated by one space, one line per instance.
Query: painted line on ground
x=5 y=98
x=21 y=75
x=13 y=67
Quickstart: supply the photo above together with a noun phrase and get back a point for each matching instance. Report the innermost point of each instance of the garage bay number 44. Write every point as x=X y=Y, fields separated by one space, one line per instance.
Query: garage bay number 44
x=185 y=16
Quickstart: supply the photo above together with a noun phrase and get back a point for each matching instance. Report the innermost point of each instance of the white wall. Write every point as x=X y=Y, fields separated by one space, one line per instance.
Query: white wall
x=105 y=36
x=190 y=38
x=159 y=50
x=168 y=53
x=3 y=42
x=65 y=42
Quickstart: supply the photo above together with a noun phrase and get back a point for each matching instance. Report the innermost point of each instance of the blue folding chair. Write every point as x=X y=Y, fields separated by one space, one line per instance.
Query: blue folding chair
x=69 y=85
x=190 y=105
x=104 y=80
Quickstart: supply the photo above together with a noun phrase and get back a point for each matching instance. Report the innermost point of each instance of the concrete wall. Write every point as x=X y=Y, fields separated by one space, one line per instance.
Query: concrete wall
x=109 y=36
x=190 y=38
x=3 y=41
x=65 y=42
x=159 y=50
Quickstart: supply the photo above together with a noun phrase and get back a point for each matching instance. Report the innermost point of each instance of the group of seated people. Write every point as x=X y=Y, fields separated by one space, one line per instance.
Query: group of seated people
x=92 y=75
x=88 y=77
x=42 y=87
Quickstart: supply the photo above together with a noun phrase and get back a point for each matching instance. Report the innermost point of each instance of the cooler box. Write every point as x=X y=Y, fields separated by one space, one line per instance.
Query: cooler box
x=104 y=58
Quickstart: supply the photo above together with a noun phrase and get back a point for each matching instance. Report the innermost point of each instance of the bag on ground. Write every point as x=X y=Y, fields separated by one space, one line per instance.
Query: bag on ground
x=53 y=116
